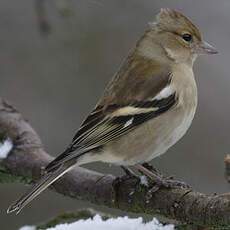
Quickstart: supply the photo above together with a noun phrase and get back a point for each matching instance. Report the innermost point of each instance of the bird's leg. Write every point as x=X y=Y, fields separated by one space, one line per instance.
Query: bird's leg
x=151 y=168
x=129 y=172
x=159 y=180
x=154 y=170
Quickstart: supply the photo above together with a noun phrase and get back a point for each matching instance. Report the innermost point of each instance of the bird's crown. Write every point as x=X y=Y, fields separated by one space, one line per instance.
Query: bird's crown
x=174 y=21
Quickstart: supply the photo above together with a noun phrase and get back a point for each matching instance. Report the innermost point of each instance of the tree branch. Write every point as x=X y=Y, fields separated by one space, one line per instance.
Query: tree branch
x=25 y=161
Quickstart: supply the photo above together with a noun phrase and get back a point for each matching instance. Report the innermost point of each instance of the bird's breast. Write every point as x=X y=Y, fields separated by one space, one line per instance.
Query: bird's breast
x=175 y=122
x=157 y=135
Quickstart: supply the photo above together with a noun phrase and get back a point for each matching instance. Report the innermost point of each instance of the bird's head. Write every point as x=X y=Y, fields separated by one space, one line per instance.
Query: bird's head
x=178 y=36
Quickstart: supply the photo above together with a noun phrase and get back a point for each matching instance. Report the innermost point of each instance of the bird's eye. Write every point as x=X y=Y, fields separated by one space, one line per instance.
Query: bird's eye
x=187 y=37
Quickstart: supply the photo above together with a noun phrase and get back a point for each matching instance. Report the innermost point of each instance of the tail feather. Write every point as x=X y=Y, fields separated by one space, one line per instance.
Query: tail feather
x=57 y=161
x=41 y=185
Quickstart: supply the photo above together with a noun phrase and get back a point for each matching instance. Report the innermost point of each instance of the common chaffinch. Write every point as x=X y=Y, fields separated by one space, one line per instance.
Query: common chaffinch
x=146 y=108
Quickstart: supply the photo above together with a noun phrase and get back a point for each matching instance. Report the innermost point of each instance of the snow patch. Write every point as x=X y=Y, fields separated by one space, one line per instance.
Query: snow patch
x=28 y=228
x=144 y=180
x=5 y=147
x=120 y=223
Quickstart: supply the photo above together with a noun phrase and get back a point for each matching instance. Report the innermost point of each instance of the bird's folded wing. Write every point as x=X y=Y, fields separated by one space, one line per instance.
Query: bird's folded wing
x=105 y=125
x=138 y=92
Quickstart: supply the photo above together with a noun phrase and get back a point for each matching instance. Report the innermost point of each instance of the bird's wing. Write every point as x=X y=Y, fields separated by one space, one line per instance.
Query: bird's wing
x=100 y=131
x=139 y=91
x=102 y=126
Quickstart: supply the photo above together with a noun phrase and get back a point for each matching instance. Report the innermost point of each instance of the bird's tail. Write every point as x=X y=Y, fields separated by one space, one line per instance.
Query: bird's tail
x=41 y=185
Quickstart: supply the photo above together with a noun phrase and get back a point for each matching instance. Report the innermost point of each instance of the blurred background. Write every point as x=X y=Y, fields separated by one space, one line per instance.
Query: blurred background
x=56 y=57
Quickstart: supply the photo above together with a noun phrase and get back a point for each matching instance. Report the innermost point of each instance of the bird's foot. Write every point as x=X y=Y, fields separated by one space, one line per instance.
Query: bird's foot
x=169 y=183
x=157 y=181
x=165 y=183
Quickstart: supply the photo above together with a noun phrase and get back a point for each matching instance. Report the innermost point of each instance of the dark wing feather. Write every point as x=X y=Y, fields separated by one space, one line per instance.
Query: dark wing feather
x=99 y=128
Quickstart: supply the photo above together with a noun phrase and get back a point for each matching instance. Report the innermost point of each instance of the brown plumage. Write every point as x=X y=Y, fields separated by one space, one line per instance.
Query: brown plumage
x=150 y=77
x=175 y=22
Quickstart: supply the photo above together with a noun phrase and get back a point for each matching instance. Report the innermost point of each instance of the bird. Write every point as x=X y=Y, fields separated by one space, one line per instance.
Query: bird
x=145 y=109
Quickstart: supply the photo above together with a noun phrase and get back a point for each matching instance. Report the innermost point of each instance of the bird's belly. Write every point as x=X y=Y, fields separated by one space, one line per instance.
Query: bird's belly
x=170 y=135
x=151 y=139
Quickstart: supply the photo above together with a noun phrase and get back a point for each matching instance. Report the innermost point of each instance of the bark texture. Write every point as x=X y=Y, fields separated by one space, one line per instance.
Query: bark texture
x=26 y=160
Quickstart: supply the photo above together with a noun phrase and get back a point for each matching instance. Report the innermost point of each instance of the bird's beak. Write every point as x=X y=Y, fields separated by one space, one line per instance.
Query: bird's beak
x=205 y=48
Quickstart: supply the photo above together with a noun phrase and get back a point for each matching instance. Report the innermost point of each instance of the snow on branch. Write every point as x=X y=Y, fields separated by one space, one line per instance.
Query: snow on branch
x=120 y=223
x=5 y=147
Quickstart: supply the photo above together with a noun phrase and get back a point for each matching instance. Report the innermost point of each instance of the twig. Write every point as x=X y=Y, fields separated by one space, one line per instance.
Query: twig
x=227 y=167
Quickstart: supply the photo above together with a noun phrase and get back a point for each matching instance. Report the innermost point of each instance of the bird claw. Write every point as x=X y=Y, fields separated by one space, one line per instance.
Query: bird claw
x=155 y=178
x=171 y=183
x=165 y=183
